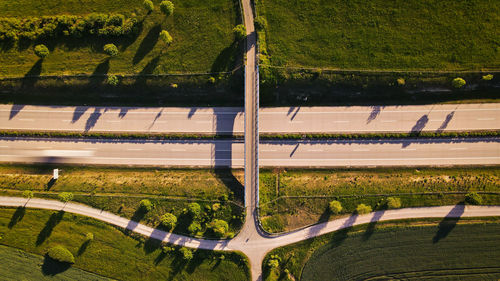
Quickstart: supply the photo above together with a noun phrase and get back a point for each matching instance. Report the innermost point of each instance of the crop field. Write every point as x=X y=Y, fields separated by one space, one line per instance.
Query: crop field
x=377 y=34
x=293 y=198
x=111 y=253
x=202 y=39
x=464 y=249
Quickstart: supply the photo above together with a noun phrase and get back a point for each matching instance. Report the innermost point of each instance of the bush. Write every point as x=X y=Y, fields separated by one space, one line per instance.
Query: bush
x=216 y=207
x=488 y=77
x=458 y=82
x=41 y=51
x=61 y=254
x=393 y=203
x=363 y=209
x=211 y=80
x=112 y=80
x=168 y=220
x=260 y=23
x=473 y=198
x=111 y=50
x=65 y=196
x=194 y=227
x=167 y=249
x=239 y=32
x=401 y=81
x=145 y=205
x=28 y=194
x=219 y=227
x=194 y=210
x=167 y=7
x=335 y=207
x=148 y=5
x=89 y=236
x=187 y=254
x=165 y=37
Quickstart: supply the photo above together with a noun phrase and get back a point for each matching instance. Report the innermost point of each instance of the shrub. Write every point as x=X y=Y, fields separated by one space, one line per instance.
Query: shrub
x=473 y=198
x=260 y=23
x=216 y=207
x=61 y=254
x=335 y=207
x=145 y=205
x=165 y=37
x=167 y=249
x=211 y=80
x=167 y=7
x=112 y=80
x=401 y=81
x=194 y=227
x=363 y=209
x=111 y=50
x=393 y=203
x=458 y=82
x=488 y=77
x=272 y=263
x=89 y=236
x=187 y=254
x=41 y=51
x=168 y=220
x=219 y=227
x=148 y=5
x=28 y=194
x=239 y=32
x=65 y=196
x=194 y=210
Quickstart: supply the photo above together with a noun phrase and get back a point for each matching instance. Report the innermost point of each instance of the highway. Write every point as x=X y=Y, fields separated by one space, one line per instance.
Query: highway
x=445 y=117
x=224 y=153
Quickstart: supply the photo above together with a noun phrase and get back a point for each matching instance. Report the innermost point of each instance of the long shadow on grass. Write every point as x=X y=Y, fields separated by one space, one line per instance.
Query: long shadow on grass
x=17 y=216
x=54 y=220
x=52 y=267
x=370 y=229
x=449 y=222
x=136 y=219
x=32 y=76
x=147 y=44
x=83 y=247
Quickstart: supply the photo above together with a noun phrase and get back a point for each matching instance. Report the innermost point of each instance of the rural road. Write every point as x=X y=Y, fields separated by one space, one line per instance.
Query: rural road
x=224 y=153
x=227 y=120
x=258 y=246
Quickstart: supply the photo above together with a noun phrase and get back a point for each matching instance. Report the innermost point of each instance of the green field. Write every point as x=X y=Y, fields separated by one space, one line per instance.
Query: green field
x=411 y=250
x=202 y=39
x=112 y=253
x=119 y=190
x=377 y=34
x=293 y=198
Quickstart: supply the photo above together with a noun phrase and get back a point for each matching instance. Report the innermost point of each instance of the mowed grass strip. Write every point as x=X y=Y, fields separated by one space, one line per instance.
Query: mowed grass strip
x=202 y=39
x=413 y=249
x=380 y=34
x=112 y=253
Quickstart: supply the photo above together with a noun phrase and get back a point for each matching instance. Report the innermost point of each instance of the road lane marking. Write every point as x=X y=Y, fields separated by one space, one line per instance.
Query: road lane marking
x=292 y=121
x=485 y=119
x=408 y=149
x=268 y=150
x=315 y=150
x=4 y=146
x=388 y=121
x=134 y=149
x=113 y=121
x=341 y=121
x=458 y=148
x=361 y=150
x=204 y=122
x=44 y=147
x=177 y=149
x=27 y=119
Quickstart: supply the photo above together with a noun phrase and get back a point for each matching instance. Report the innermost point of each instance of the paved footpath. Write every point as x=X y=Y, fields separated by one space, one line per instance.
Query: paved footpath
x=254 y=246
x=226 y=120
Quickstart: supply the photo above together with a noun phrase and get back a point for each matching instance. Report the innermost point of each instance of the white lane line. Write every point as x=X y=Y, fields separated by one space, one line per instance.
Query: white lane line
x=113 y=121
x=458 y=148
x=160 y=122
x=4 y=146
x=388 y=121
x=66 y=120
x=44 y=147
x=224 y=150
x=435 y=120
x=177 y=149
x=90 y=148
x=315 y=150
x=292 y=121
x=341 y=121
x=360 y=150
x=485 y=119
x=27 y=119
x=204 y=122
x=408 y=149
x=268 y=150
x=134 y=149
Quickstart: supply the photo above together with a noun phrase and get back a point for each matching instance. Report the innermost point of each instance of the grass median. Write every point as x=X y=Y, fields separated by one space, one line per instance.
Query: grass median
x=293 y=198
x=110 y=253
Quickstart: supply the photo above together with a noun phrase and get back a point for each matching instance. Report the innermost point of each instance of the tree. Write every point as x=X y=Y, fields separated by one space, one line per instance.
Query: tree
x=260 y=23
x=111 y=50
x=89 y=236
x=167 y=7
x=112 y=80
x=458 y=82
x=41 y=51
x=61 y=254
x=393 y=203
x=168 y=220
x=473 y=198
x=148 y=5
x=187 y=254
x=363 y=209
x=401 y=81
x=488 y=77
x=239 y=32
x=165 y=37
x=335 y=207
x=145 y=205
x=28 y=194
x=194 y=210
x=219 y=227
x=194 y=227
x=65 y=196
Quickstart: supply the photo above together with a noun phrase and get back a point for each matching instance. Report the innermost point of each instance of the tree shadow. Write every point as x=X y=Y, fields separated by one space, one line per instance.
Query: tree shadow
x=17 y=217
x=449 y=222
x=225 y=60
x=370 y=229
x=54 y=219
x=93 y=119
x=51 y=183
x=373 y=115
x=446 y=122
x=33 y=75
x=14 y=110
x=147 y=43
x=79 y=111
x=420 y=125
x=83 y=247
x=140 y=81
x=99 y=74
x=136 y=218
x=51 y=267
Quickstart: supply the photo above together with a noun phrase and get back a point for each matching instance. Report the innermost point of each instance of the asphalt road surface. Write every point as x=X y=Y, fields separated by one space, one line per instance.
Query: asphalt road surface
x=208 y=153
x=271 y=120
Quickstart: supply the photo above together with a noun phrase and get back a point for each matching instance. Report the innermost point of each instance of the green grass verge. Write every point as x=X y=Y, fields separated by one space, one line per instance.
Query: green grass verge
x=120 y=190
x=112 y=253
x=290 y=199
x=376 y=34
x=452 y=249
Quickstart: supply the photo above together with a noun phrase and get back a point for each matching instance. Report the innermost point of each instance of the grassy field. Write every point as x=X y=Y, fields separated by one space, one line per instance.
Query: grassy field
x=425 y=249
x=111 y=253
x=376 y=34
x=202 y=40
x=293 y=198
x=119 y=190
